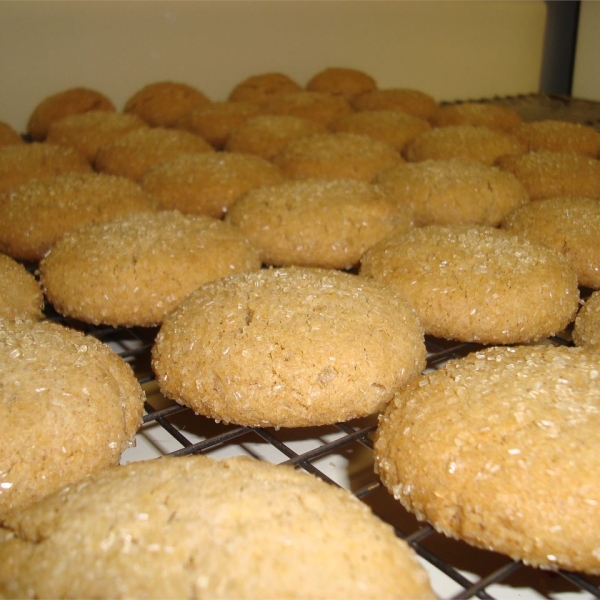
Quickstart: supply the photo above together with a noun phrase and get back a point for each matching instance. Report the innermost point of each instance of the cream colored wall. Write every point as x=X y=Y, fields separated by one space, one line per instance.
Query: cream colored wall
x=451 y=49
x=586 y=74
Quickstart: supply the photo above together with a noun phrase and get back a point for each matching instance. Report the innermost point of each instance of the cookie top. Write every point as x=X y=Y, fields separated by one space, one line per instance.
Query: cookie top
x=37 y=213
x=341 y=81
x=162 y=103
x=449 y=192
x=394 y=128
x=316 y=223
x=135 y=269
x=72 y=101
x=263 y=87
x=320 y=107
x=132 y=155
x=476 y=283
x=9 y=135
x=196 y=527
x=336 y=156
x=21 y=294
x=548 y=174
x=472 y=143
x=478 y=448
x=570 y=226
x=586 y=331
x=494 y=116
x=288 y=347
x=69 y=406
x=414 y=102
x=208 y=183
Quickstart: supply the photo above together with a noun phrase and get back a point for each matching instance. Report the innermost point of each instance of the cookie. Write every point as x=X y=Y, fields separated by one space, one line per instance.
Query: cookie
x=20 y=163
x=69 y=406
x=319 y=107
x=162 y=103
x=336 y=156
x=471 y=143
x=21 y=294
x=208 y=183
x=132 y=155
x=263 y=87
x=451 y=192
x=192 y=526
x=478 y=449
x=288 y=347
x=487 y=114
x=72 y=101
x=316 y=223
x=37 y=213
x=586 y=331
x=267 y=135
x=133 y=270
x=89 y=131
x=394 y=128
x=9 y=135
x=559 y=136
x=570 y=226
x=414 y=102
x=341 y=81
x=476 y=283
x=548 y=174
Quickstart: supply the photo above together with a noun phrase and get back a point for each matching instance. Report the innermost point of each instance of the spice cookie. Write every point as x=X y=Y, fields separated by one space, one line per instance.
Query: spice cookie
x=267 y=135
x=570 y=226
x=37 y=213
x=394 y=128
x=476 y=283
x=208 y=183
x=322 y=108
x=263 y=87
x=69 y=406
x=162 y=103
x=336 y=156
x=485 y=114
x=479 y=447
x=341 y=81
x=316 y=223
x=134 y=270
x=450 y=192
x=132 y=155
x=471 y=143
x=288 y=347
x=586 y=331
x=192 y=526
x=9 y=135
x=413 y=102
x=72 y=101
x=21 y=294
x=20 y=163
x=554 y=174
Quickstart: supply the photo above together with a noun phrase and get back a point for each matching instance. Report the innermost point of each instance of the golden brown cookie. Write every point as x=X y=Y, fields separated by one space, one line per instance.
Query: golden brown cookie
x=450 y=192
x=553 y=174
x=21 y=294
x=133 y=270
x=37 y=213
x=162 y=103
x=72 y=101
x=500 y=449
x=476 y=283
x=267 y=135
x=208 y=183
x=316 y=223
x=472 y=143
x=288 y=347
x=487 y=114
x=200 y=528
x=586 y=331
x=570 y=226
x=20 y=163
x=9 y=135
x=132 y=155
x=414 y=102
x=69 y=406
x=336 y=156
x=341 y=81
x=320 y=107
x=263 y=87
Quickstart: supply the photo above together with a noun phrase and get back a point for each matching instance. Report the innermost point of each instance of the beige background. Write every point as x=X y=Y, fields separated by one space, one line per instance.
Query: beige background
x=451 y=49
x=586 y=74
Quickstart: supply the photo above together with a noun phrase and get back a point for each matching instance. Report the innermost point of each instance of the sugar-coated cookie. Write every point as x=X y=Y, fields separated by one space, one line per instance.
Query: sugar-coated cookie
x=194 y=527
x=317 y=106
x=288 y=347
x=414 y=102
x=488 y=114
x=341 y=81
x=263 y=87
x=69 y=406
x=449 y=192
x=135 y=269
x=586 y=331
x=317 y=223
x=20 y=292
x=476 y=283
x=500 y=449
x=9 y=135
